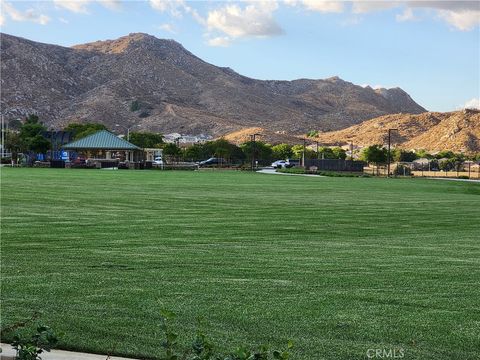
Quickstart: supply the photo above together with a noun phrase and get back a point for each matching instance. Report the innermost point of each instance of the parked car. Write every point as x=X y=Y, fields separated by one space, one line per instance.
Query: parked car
x=211 y=162
x=158 y=161
x=279 y=164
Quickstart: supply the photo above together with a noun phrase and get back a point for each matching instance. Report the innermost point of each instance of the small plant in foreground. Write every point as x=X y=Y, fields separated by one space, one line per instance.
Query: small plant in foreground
x=203 y=348
x=30 y=347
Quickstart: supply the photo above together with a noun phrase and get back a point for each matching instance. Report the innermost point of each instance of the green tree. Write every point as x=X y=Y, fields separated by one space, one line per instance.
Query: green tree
x=282 y=151
x=195 y=152
x=422 y=153
x=31 y=135
x=80 y=130
x=447 y=154
x=339 y=153
x=376 y=154
x=263 y=152
x=297 y=151
x=171 y=149
x=146 y=139
x=14 y=143
x=447 y=165
x=134 y=106
x=403 y=155
x=312 y=133
x=325 y=152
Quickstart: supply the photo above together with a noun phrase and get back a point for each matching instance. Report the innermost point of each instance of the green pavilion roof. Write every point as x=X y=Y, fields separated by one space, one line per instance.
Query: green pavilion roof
x=103 y=140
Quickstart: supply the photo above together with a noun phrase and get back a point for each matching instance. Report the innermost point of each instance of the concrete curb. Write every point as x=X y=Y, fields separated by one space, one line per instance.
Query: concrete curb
x=8 y=353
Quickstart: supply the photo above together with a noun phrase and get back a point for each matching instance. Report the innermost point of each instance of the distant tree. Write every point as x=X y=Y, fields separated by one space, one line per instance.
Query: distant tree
x=196 y=152
x=171 y=149
x=134 y=106
x=15 y=124
x=447 y=164
x=282 y=151
x=339 y=153
x=447 y=154
x=403 y=155
x=325 y=152
x=297 y=151
x=14 y=143
x=422 y=153
x=30 y=135
x=80 y=130
x=376 y=154
x=38 y=144
x=146 y=139
x=312 y=133
x=263 y=152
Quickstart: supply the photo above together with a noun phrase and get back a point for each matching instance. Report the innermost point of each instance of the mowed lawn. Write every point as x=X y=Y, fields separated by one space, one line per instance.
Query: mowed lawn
x=338 y=265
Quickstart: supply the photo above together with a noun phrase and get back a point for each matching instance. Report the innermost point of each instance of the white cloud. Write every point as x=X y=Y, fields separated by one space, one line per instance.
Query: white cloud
x=76 y=6
x=174 y=7
x=27 y=15
x=462 y=20
x=220 y=41
x=407 y=15
x=81 y=6
x=319 y=5
x=253 y=20
x=2 y=20
x=167 y=27
x=462 y=15
x=63 y=20
x=111 y=4
x=361 y=7
x=472 y=104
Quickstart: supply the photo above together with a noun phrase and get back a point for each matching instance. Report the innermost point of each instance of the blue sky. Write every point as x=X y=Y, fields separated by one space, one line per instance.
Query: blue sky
x=431 y=49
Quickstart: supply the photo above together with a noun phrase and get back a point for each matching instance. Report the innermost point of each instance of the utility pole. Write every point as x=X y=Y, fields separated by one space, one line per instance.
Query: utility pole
x=303 y=152
x=254 y=147
x=388 y=156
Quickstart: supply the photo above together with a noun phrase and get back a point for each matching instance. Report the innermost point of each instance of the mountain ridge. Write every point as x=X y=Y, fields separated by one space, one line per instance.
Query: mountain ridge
x=176 y=90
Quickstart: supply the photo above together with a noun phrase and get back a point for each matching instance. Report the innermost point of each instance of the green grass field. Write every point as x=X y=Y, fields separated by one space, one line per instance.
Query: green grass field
x=338 y=265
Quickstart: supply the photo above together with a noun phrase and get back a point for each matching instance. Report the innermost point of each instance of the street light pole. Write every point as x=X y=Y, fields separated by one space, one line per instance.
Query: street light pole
x=303 y=152
x=126 y=128
x=389 y=143
x=254 y=147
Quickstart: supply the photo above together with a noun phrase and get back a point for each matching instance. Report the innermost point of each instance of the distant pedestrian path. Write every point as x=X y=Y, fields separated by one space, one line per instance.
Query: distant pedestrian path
x=454 y=179
x=272 y=171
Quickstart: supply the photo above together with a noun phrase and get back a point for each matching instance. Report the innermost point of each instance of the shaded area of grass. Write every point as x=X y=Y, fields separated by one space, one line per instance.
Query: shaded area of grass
x=339 y=265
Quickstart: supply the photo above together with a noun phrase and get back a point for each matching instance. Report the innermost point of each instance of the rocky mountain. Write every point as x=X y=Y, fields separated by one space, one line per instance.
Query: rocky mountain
x=433 y=131
x=156 y=84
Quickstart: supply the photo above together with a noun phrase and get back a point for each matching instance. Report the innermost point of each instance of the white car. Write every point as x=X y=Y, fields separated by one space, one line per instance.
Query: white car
x=158 y=161
x=279 y=164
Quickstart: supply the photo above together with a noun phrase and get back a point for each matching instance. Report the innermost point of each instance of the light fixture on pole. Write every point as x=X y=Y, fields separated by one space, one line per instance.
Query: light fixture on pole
x=126 y=128
x=389 y=155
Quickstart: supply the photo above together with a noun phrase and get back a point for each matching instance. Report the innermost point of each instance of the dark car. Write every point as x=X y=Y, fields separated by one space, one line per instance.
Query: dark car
x=211 y=162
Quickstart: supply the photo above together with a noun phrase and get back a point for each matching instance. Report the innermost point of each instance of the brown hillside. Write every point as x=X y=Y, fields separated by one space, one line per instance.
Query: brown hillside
x=433 y=131
x=267 y=136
